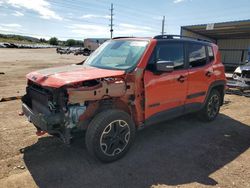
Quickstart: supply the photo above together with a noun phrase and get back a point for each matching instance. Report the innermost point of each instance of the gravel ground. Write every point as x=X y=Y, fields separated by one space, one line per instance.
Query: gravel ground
x=183 y=152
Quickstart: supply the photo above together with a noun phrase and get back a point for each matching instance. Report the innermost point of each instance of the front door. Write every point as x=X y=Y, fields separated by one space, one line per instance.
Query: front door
x=165 y=92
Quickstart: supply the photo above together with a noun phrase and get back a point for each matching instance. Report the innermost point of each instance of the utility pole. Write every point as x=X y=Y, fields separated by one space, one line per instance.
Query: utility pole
x=163 y=25
x=111 y=21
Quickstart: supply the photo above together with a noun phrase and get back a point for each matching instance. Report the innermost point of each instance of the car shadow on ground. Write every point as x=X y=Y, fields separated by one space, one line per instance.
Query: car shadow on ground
x=176 y=152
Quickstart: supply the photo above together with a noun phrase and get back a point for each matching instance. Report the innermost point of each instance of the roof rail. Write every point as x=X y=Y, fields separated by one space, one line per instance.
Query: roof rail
x=178 y=36
x=122 y=37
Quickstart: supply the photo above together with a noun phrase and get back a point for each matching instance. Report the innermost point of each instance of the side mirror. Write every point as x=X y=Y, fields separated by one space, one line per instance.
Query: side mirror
x=165 y=66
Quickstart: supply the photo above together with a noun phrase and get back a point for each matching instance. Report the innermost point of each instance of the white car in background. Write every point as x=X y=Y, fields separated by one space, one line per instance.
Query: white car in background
x=241 y=76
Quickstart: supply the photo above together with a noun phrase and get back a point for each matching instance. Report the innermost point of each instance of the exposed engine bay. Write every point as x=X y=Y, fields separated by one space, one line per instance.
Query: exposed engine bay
x=58 y=111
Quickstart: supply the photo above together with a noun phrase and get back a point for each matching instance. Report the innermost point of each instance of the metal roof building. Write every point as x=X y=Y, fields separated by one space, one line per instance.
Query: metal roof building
x=233 y=39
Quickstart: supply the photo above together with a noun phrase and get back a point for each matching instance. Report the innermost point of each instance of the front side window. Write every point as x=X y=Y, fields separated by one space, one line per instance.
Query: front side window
x=197 y=55
x=117 y=54
x=171 y=52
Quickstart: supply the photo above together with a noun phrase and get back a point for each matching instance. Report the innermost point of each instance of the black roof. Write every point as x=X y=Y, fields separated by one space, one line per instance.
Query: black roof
x=182 y=38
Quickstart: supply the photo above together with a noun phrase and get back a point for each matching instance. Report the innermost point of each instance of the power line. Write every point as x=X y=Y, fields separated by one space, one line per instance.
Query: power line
x=67 y=19
x=121 y=13
x=74 y=6
x=145 y=15
x=127 y=8
x=79 y=7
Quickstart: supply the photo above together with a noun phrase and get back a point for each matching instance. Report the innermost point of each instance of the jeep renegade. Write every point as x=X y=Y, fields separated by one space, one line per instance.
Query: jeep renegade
x=126 y=84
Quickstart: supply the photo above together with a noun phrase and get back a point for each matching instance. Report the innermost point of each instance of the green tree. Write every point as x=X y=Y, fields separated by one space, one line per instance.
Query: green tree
x=42 y=40
x=79 y=43
x=70 y=42
x=53 y=41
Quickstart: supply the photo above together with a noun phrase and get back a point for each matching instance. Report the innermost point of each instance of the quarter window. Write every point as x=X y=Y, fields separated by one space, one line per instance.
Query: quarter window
x=197 y=55
x=210 y=53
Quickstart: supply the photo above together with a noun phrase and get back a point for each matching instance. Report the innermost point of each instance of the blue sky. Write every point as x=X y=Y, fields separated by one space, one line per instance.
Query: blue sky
x=80 y=19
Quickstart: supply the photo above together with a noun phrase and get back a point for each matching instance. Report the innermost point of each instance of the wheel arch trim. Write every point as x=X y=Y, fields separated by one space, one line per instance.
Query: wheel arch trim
x=214 y=85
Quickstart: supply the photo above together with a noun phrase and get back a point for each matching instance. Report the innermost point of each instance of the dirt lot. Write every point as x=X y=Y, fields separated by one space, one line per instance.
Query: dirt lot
x=180 y=153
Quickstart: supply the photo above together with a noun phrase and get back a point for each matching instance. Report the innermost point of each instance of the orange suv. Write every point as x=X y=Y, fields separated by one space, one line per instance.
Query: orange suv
x=126 y=84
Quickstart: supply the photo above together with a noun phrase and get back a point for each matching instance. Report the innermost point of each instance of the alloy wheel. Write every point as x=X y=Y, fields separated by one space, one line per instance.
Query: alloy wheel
x=115 y=137
x=213 y=106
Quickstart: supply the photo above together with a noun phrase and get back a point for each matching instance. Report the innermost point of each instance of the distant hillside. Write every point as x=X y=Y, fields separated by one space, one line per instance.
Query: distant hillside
x=19 y=39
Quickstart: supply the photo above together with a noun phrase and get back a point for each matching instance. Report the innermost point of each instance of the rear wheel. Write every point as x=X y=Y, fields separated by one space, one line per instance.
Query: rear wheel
x=212 y=106
x=110 y=135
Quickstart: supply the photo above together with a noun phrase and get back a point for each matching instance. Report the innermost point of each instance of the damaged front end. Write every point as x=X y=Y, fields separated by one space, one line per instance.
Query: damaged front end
x=241 y=78
x=59 y=111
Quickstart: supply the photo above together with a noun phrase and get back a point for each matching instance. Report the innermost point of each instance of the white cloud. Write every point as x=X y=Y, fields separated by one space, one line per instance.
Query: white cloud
x=13 y=27
x=123 y=29
x=42 y=7
x=89 y=30
x=178 y=1
x=89 y=16
x=130 y=26
x=17 y=13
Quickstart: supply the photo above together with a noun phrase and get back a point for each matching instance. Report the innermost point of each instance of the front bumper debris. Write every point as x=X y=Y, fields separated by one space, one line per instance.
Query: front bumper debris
x=42 y=122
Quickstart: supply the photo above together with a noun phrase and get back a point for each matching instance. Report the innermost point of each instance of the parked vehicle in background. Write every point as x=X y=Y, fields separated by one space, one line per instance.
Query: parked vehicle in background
x=82 y=51
x=90 y=45
x=93 y=43
x=75 y=51
x=125 y=85
x=241 y=76
x=61 y=50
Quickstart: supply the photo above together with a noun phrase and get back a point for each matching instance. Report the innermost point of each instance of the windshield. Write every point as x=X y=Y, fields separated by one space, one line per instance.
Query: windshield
x=117 y=54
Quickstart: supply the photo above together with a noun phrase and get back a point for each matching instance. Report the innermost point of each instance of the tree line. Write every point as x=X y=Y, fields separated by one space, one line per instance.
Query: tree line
x=69 y=42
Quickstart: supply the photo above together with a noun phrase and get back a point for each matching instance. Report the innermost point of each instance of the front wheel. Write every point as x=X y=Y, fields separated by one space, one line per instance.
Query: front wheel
x=110 y=135
x=212 y=106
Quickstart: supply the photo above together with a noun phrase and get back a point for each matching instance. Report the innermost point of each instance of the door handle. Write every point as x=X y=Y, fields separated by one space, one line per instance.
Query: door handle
x=209 y=73
x=181 y=79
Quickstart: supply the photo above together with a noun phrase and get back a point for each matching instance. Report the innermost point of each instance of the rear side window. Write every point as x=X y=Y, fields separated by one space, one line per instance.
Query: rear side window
x=171 y=52
x=197 y=55
x=210 y=53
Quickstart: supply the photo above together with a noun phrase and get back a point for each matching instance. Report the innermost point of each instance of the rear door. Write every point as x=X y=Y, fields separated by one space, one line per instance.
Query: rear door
x=200 y=73
x=165 y=92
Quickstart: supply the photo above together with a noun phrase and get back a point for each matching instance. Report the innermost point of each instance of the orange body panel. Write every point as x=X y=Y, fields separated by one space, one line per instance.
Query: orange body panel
x=198 y=82
x=163 y=92
x=60 y=76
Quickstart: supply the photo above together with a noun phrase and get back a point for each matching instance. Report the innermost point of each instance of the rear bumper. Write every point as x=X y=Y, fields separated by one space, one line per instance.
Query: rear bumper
x=41 y=121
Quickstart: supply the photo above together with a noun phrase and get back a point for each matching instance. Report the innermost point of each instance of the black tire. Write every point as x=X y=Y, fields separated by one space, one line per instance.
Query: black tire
x=110 y=135
x=212 y=106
